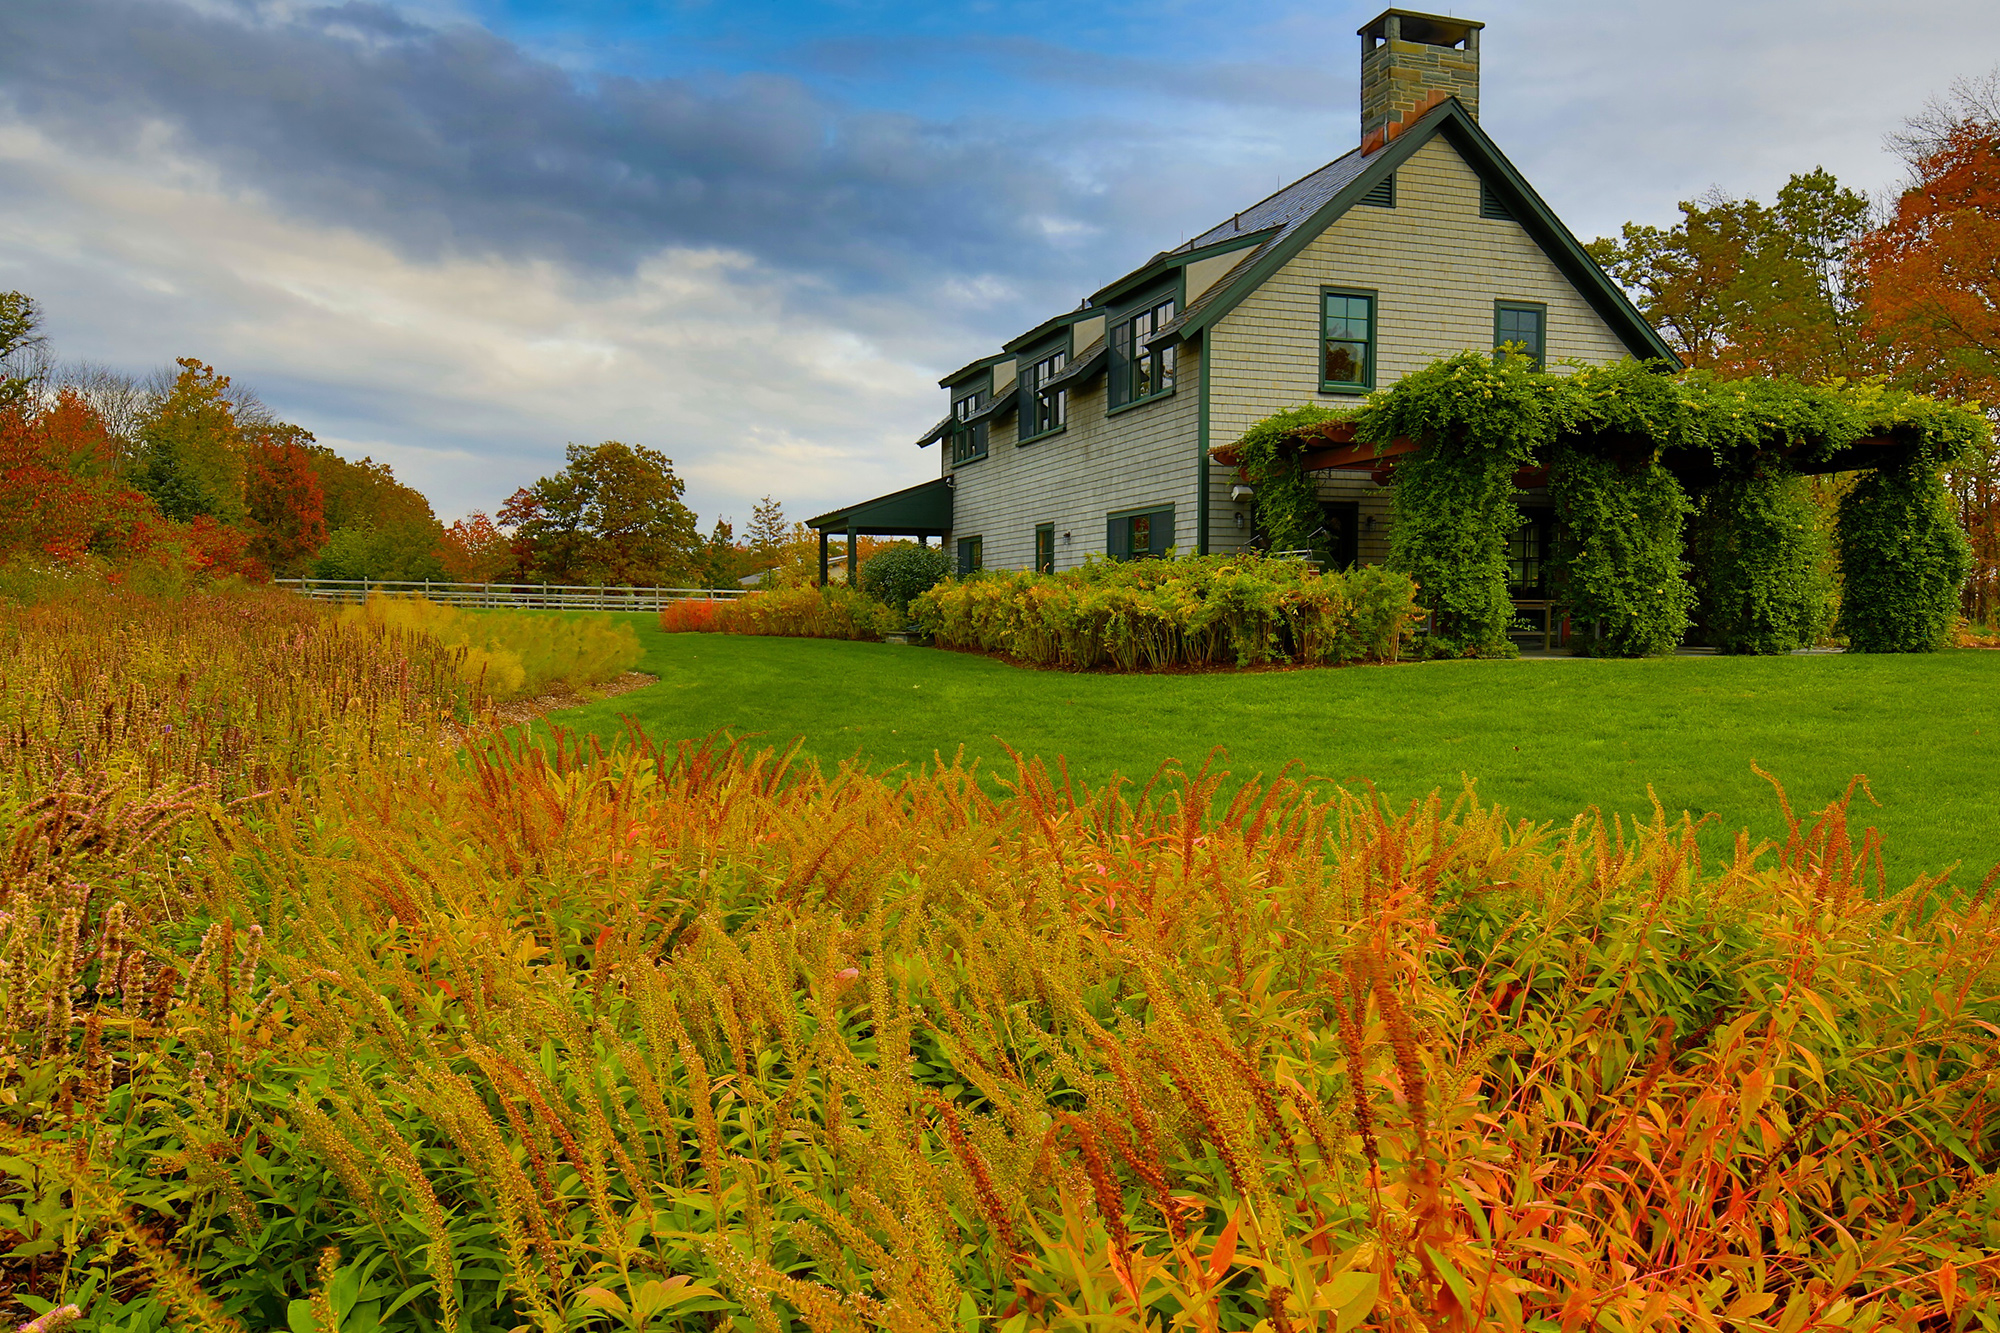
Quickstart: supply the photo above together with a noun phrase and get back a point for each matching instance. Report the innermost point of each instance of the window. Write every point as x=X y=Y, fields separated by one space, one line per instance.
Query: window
x=968 y=439
x=1341 y=520
x=1043 y=410
x=1347 y=359
x=971 y=555
x=1137 y=371
x=1139 y=533
x=1522 y=327
x=1527 y=550
x=1382 y=194
x=1045 y=548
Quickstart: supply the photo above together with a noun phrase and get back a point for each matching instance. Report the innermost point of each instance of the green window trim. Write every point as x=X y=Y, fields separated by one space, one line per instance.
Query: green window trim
x=1347 y=339
x=1138 y=534
x=1042 y=413
x=1136 y=375
x=968 y=440
x=1525 y=323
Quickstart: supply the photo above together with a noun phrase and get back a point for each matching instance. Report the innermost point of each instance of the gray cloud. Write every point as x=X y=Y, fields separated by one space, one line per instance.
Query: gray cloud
x=453 y=140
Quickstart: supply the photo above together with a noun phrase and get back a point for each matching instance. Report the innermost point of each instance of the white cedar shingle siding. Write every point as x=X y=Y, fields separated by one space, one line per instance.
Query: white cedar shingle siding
x=1436 y=267
x=1140 y=458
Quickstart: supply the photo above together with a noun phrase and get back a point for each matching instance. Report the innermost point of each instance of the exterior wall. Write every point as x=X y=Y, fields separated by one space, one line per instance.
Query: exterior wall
x=1436 y=267
x=1140 y=457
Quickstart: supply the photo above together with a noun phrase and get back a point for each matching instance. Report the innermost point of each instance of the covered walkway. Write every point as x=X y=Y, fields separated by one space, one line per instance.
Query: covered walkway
x=921 y=511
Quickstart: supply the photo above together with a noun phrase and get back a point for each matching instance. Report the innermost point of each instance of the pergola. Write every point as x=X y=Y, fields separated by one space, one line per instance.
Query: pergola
x=922 y=512
x=1330 y=446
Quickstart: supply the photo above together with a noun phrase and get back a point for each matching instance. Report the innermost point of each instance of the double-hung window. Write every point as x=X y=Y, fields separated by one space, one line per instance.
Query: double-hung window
x=1043 y=409
x=968 y=438
x=1137 y=534
x=1347 y=341
x=1138 y=371
x=1521 y=327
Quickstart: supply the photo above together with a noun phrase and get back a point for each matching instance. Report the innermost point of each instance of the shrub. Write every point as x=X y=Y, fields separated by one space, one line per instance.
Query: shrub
x=543 y=1038
x=510 y=654
x=833 y=612
x=901 y=571
x=1149 y=615
x=693 y=615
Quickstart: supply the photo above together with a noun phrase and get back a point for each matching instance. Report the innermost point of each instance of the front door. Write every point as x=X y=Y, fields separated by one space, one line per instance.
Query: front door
x=1045 y=548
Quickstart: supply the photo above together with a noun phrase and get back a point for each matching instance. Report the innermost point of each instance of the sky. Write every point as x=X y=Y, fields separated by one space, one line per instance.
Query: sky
x=459 y=235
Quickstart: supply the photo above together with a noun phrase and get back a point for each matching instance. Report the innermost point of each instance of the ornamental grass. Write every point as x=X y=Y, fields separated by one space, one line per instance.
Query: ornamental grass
x=573 y=1037
x=1152 y=615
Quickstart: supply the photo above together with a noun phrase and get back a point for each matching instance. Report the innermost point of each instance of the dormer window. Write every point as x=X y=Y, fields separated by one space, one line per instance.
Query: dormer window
x=1139 y=372
x=968 y=438
x=1043 y=410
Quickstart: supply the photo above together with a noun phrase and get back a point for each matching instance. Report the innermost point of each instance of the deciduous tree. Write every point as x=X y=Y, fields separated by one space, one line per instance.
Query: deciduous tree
x=282 y=494
x=192 y=454
x=474 y=550
x=613 y=515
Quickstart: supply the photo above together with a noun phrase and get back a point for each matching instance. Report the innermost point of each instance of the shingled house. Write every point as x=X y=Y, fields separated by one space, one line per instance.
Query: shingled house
x=1092 y=432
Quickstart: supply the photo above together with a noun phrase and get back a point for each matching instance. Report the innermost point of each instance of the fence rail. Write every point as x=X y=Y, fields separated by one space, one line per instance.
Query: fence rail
x=535 y=596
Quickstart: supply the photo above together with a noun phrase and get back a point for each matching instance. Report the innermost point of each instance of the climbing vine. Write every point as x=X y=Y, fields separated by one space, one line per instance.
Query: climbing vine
x=1287 y=504
x=1480 y=420
x=1760 y=553
x=1619 y=567
x=1761 y=573
x=1903 y=557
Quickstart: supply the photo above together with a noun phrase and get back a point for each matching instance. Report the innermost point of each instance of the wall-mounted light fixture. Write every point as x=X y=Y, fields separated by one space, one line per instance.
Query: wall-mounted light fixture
x=1239 y=492
x=1239 y=518
x=1065 y=539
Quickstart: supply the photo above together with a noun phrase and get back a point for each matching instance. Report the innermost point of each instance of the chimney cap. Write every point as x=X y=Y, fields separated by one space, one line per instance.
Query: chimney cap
x=1431 y=29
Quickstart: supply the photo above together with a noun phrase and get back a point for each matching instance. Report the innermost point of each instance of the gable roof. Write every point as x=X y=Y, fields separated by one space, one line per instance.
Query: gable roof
x=1305 y=208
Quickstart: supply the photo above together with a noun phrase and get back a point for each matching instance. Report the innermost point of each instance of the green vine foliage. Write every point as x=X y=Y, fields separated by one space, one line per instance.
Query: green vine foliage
x=1288 y=511
x=1760 y=547
x=1619 y=563
x=1480 y=420
x=1762 y=556
x=1903 y=558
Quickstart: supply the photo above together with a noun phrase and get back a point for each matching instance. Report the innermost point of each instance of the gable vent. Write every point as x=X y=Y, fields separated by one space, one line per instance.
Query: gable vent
x=1491 y=205
x=1383 y=195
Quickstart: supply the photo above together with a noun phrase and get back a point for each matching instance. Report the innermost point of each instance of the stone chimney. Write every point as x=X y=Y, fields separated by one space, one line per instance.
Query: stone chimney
x=1411 y=62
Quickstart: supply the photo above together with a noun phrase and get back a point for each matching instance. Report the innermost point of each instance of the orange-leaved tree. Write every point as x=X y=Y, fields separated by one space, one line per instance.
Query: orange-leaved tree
x=474 y=550
x=1933 y=298
x=282 y=493
x=60 y=493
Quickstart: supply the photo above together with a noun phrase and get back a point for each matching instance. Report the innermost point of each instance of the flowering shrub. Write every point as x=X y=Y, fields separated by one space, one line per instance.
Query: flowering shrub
x=832 y=612
x=1149 y=615
x=694 y=615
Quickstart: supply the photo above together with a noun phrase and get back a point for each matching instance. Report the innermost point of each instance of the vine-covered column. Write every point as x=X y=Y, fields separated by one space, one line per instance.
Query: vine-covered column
x=1478 y=422
x=1903 y=559
x=1763 y=557
x=1620 y=562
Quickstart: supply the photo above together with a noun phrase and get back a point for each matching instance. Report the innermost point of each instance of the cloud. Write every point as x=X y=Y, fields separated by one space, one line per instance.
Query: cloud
x=468 y=373
x=448 y=140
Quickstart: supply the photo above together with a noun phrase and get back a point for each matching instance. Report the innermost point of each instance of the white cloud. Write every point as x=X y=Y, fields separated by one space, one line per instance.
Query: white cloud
x=469 y=375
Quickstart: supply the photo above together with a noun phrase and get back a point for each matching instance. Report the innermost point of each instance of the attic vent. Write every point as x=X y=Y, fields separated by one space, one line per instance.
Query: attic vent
x=1383 y=195
x=1491 y=205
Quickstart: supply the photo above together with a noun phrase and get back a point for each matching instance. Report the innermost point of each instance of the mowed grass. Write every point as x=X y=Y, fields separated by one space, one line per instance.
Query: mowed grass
x=1544 y=738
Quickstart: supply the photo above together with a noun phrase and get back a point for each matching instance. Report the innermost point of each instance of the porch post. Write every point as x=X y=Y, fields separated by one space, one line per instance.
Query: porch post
x=822 y=557
x=853 y=554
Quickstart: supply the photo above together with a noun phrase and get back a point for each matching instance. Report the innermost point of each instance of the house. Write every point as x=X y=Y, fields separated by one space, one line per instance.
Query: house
x=1092 y=433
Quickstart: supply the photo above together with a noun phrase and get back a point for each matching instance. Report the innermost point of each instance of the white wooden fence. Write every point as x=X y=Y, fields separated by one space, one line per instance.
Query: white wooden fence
x=536 y=596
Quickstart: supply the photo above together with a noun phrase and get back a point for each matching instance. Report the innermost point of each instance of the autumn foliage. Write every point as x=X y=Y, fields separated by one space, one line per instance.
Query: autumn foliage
x=300 y=1009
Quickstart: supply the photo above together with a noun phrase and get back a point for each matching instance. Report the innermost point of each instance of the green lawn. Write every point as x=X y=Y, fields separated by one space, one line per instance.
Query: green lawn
x=1545 y=738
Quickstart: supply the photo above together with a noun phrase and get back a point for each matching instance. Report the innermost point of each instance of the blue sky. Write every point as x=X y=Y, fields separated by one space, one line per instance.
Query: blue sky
x=458 y=234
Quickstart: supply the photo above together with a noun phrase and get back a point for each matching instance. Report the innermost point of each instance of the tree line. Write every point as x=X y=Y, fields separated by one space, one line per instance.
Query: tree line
x=186 y=471
x=1825 y=284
